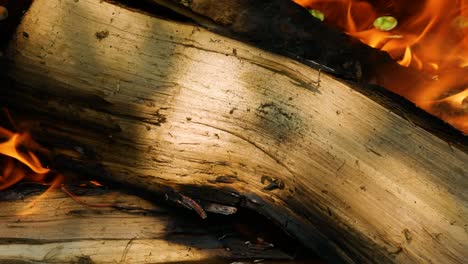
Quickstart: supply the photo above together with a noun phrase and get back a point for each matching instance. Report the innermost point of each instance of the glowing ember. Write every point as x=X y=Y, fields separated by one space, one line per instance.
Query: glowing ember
x=96 y=183
x=430 y=36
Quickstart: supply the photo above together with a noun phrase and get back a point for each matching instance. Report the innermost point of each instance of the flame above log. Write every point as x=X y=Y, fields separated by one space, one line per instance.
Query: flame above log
x=19 y=163
x=12 y=172
x=431 y=36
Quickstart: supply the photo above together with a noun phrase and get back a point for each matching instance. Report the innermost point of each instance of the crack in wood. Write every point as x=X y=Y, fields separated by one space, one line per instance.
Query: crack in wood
x=255 y=145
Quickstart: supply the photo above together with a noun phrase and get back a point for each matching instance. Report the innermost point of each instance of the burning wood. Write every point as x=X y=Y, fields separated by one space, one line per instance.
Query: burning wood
x=204 y=120
x=12 y=173
x=432 y=38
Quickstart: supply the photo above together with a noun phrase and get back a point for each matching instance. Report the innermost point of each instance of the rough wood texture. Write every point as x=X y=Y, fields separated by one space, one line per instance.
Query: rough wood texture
x=172 y=108
x=57 y=229
x=285 y=28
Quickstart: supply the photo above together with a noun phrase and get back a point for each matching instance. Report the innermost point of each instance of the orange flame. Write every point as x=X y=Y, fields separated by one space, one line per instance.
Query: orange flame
x=12 y=173
x=431 y=36
x=17 y=161
x=13 y=161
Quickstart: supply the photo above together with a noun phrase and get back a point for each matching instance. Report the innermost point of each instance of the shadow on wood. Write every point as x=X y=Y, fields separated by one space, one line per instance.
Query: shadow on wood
x=172 y=108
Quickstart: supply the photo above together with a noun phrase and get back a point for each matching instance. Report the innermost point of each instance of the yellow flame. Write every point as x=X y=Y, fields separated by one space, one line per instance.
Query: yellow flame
x=406 y=61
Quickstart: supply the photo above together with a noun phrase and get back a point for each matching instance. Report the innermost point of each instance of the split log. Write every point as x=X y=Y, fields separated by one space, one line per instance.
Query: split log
x=286 y=28
x=173 y=109
x=53 y=228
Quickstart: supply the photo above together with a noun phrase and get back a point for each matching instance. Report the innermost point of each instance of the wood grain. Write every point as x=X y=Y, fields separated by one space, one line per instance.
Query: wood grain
x=53 y=228
x=166 y=107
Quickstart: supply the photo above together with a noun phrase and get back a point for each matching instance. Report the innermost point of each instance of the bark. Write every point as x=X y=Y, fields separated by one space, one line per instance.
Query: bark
x=176 y=110
x=287 y=28
x=54 y=228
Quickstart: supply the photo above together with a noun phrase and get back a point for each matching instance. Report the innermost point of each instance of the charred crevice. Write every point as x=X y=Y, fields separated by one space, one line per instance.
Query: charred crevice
x=260 y=233
x=257 y=234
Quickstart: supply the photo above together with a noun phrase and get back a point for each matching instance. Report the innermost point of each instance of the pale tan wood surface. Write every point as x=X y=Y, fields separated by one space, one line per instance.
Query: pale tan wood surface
x=54 y=228
x=165 y=105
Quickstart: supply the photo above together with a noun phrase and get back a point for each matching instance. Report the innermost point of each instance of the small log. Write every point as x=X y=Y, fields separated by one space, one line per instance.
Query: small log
x=54 y=228
x=176 y=110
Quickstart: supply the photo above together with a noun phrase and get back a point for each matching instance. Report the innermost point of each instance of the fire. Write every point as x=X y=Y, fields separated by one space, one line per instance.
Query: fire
x=21 y=164
x=430 y=36
x=12 y=172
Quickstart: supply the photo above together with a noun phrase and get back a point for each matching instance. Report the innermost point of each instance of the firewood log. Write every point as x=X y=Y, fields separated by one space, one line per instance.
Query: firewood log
x=54 y=228
x=173 y=109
